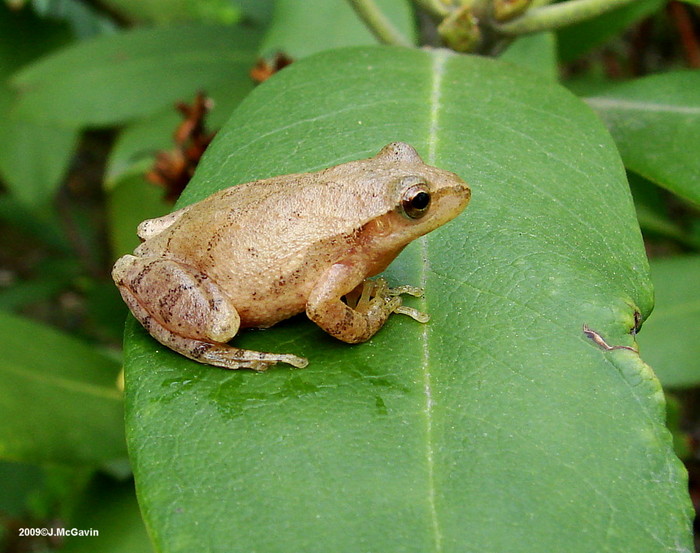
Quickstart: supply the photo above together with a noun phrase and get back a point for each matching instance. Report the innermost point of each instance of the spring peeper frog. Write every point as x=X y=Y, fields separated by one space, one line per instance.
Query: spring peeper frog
x=257 y=253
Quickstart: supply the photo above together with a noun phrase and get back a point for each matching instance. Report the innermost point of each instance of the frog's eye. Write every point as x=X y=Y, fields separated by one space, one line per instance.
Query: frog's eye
x=415 y=200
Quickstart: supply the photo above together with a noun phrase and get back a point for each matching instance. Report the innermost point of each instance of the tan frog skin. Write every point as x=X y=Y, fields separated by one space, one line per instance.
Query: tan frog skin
x=257 y=253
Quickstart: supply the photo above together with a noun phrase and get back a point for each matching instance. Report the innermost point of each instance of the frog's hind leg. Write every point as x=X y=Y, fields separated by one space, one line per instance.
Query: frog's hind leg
x=190 y=315
x=213 y=353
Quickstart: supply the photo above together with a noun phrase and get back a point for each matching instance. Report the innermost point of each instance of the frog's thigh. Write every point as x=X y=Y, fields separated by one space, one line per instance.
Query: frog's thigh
x=327 y=310
x=180 y=298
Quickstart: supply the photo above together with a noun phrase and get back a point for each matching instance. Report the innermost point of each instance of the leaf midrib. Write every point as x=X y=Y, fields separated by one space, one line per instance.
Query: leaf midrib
x=438 y=70
x=603 y=103
x=65 y=383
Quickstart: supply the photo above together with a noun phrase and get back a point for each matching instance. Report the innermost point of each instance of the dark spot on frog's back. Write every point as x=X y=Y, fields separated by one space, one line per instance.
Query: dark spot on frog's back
x=276 y=287
x=214 y=240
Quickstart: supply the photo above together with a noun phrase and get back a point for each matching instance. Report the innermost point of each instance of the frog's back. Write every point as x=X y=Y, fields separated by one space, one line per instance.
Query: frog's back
x=269 y=219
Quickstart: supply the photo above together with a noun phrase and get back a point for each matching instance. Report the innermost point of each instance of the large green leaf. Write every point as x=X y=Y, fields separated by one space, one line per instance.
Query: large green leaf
x=119 y=77
x=537 y=52
x=655 y=121
x=498 y=426
x=33 y=156
x=670 y=340
x=59 y=402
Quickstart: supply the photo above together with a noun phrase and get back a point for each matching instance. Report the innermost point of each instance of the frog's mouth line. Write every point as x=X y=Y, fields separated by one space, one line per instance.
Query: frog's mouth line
x=453 y=195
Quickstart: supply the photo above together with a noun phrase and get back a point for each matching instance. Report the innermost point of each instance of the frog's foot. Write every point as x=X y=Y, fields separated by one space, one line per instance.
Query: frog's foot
x=227 y=357
x=366 y=308
x=378 y=291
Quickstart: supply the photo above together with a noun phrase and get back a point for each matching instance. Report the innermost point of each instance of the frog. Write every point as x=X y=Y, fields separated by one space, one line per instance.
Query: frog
x=257 y=253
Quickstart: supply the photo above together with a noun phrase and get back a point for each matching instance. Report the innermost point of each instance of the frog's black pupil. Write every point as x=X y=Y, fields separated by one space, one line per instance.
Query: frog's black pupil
x=420 y=200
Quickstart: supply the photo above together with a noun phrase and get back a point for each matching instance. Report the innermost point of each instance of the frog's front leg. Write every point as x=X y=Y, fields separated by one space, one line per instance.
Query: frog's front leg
x=369 y=304
x=186 y=311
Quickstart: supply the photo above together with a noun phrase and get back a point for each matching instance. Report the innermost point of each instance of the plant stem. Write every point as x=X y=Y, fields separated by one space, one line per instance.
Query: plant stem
x=558 y=15
x=377 y=22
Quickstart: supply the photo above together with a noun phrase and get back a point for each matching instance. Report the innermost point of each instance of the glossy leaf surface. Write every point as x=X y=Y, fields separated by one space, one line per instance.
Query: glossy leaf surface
x=498 y=426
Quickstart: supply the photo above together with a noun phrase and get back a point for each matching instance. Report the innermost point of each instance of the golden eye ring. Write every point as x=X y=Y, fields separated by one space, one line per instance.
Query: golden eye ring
x=415 y=200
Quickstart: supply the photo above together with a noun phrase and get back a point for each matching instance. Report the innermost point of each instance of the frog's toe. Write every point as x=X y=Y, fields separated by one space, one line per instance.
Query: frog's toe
x=404 y=309
x=413 y=313
x=406 y=289
x=293 y=360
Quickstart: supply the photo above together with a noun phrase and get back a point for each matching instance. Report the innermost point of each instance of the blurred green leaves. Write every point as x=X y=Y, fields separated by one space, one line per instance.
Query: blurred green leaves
x=302 y=28
x=115 y=78
x=579 y=39
x=670 y=340
x=76 y=408
x=32 y=179
x=655 y=119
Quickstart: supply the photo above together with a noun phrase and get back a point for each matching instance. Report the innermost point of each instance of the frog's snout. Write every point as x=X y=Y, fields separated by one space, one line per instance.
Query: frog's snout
x=457 y=194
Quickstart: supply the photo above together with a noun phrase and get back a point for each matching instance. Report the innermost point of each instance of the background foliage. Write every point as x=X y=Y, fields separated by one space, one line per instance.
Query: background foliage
x=500 y=426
